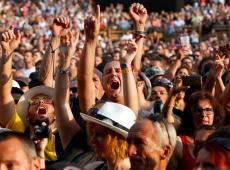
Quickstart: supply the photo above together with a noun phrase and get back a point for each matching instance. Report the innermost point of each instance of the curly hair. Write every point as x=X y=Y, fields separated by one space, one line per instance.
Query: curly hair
x=118 y=145
x=188 y=126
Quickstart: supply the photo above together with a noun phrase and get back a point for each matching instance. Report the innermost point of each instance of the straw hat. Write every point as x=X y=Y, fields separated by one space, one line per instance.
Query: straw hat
x=23 y=103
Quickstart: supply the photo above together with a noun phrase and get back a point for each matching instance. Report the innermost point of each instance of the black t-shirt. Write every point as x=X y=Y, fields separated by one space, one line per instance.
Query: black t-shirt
x=78 y=151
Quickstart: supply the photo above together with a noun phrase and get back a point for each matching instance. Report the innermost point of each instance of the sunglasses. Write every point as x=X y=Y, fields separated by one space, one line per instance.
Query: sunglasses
x=207 y=111
x=39 y=100
x=156 y=118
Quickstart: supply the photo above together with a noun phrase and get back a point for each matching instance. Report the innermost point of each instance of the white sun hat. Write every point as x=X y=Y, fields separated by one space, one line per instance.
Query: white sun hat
x=114 y=116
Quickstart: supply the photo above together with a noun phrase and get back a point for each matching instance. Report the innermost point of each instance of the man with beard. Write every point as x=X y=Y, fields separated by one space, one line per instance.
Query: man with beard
x=151 y=143
x=36 y=106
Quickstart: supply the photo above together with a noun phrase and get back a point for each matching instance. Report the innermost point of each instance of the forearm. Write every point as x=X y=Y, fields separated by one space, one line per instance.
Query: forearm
x=85 y=76
x=46 y=74
x=170 y=73
x=210 y=83
x=64 y=117
x=130 y=90
x=167 y=111
x=7 y=105
x=221 y=84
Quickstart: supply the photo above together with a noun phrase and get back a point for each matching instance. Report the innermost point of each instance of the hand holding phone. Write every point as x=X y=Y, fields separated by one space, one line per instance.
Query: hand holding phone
x=185 y=41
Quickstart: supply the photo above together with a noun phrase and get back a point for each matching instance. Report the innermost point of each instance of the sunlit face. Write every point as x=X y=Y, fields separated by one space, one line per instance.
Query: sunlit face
x=99 y=139
x=143 y=146
x=183 y=72
x=41 y=107
x=203 y=113
x=159 y=93
x=112 y=80
x=28 y=57
x=13 y=156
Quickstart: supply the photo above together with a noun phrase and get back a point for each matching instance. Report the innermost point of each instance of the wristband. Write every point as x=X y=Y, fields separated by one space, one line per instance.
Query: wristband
x=126 y=71
x=139 y=35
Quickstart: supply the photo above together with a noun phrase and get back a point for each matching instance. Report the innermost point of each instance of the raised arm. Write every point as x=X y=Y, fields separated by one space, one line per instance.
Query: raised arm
x=9 y=42
x=87 y=91
x=214 y=76
x=182 y=53
x=139 y=15
x=129 y=84
x=46 y=74
x=66 y=124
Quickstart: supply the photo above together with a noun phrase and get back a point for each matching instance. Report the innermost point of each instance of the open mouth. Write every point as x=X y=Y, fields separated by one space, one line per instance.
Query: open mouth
x=41 y=111
x=114 y=85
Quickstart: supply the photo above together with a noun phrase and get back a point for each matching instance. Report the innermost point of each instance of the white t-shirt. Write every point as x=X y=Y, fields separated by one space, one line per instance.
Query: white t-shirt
x=27 y=72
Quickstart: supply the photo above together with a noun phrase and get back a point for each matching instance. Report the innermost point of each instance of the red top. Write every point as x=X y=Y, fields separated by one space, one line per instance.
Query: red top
x=187 y=161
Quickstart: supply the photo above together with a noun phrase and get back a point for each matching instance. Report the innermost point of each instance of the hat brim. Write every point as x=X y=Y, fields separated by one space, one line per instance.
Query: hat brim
x=23 y=103
x=147 y=83
x=105 y=124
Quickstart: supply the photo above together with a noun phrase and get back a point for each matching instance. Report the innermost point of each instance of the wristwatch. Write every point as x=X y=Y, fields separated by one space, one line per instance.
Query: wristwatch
x=123 y=66
x=64 y=71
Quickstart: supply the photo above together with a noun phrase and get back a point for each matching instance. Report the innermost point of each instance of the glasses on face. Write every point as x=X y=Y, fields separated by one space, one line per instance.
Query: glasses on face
x=156 y=118
x=207 y=111
x=40 y=100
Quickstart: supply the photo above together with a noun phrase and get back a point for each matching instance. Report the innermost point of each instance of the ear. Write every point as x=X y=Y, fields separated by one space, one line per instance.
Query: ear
x=35 y=164
x=166 y=151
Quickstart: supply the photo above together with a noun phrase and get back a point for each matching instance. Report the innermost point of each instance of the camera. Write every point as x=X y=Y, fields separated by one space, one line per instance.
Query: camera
x=41 y=129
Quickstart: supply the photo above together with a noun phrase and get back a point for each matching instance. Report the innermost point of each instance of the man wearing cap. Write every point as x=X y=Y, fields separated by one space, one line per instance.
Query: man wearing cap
x=36 y=105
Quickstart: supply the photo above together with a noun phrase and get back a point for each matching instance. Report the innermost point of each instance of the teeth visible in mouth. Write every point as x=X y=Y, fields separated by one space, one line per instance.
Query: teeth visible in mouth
x=41 y=111
x=114 y=85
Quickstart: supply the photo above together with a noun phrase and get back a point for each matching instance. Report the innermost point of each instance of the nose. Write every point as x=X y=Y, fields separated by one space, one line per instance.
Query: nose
x=41 y=101
x=113 y=71
x=132 y=150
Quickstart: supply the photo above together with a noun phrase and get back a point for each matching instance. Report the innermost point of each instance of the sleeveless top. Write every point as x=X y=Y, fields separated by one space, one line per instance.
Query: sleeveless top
x=187 y=161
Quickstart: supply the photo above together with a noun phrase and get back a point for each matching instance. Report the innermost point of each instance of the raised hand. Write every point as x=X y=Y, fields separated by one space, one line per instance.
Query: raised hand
x=60 y=26
x=10 y=40
x=68 y=45
x=139 y=14
x=217 y=67
x=183 y=52
x=92 y=25
x=129 y=52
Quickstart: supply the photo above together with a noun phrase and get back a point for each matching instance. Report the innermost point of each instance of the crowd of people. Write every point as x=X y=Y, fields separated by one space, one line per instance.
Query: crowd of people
x=73 y=98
